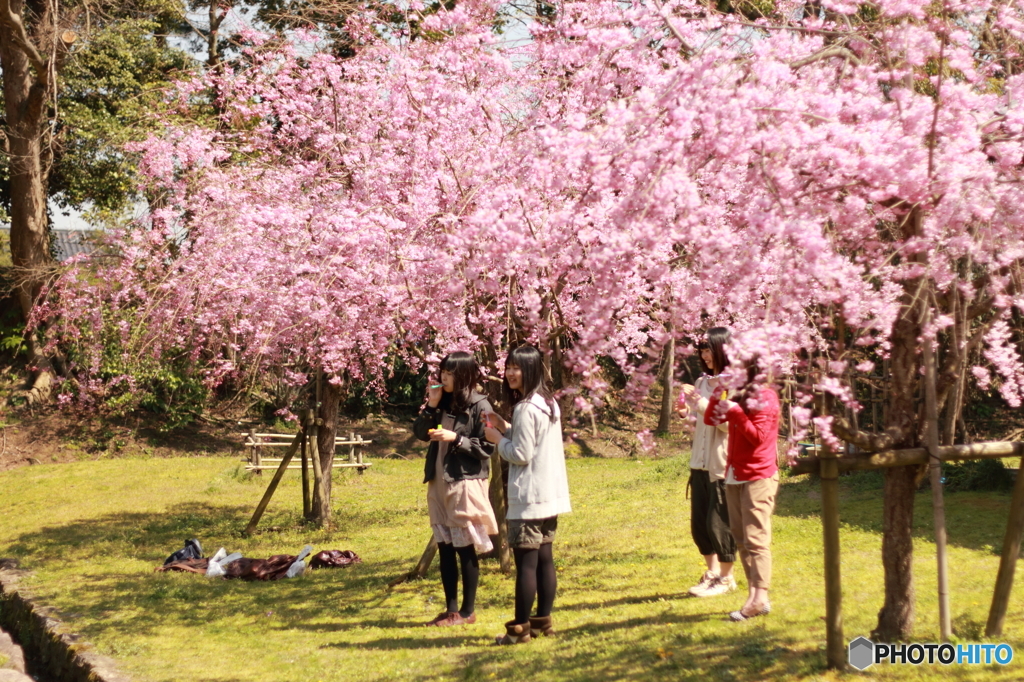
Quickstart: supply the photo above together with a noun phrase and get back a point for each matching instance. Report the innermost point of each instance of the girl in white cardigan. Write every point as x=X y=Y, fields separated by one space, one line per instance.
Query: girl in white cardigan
x=709 y=514
x=538 y=489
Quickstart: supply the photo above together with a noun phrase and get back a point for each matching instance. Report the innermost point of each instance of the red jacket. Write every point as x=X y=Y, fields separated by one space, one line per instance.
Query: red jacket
x=753 y=453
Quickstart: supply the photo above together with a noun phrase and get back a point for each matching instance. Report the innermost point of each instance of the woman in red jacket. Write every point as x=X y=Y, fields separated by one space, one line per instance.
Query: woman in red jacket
x=751 y=481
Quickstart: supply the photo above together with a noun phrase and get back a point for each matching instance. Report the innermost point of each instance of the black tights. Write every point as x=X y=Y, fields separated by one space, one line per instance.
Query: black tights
x=450 y=576
x=535 y=577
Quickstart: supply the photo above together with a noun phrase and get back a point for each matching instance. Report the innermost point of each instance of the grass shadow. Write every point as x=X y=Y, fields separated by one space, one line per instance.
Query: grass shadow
x=122 y=550
x=625 y=601
x=974 y=520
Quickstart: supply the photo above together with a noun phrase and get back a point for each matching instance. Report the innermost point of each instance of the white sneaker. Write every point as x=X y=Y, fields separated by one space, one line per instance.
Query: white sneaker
x=706 y=580
x=721 y=585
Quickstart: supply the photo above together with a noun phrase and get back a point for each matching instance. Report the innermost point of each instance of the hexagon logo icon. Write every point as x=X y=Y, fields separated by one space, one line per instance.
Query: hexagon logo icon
x=861 y=653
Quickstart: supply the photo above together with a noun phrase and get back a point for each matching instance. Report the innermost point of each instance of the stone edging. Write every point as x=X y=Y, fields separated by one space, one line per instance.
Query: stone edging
x=42 y=636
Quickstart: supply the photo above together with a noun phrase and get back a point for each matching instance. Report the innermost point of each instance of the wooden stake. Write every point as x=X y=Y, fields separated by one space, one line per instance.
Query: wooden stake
x=835 y=646
x=935 y=472
x=1011 y=550
x=359 y=455
x=256 y=455
x=262 y=506
x=307 y=505
x=319 y=493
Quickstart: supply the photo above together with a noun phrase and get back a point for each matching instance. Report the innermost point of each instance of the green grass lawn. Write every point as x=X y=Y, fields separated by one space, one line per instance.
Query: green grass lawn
x=92 y=533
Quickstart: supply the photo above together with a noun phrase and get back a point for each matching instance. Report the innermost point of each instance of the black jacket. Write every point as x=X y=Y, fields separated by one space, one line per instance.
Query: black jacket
x=471 y=458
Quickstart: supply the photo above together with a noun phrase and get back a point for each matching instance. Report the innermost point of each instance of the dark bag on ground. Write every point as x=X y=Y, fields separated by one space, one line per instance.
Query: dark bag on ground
x=191 y=550
x=334 y=558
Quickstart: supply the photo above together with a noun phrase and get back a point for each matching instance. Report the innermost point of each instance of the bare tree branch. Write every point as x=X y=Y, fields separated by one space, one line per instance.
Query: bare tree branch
x=827 y=53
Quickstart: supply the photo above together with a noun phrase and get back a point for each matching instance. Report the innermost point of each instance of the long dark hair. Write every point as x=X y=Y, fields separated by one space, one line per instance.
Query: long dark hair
x=752 y=387
x=465 y=375
x=531 y=363
x=715 y=339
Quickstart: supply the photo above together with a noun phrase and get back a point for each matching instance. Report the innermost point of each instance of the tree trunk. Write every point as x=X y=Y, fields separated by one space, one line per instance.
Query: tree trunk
x=26 y=91
x=668 y=365
x=330 y=402
x=896 y=618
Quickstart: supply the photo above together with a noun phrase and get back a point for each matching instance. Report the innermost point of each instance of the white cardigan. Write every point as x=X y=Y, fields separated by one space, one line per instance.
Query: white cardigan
x=710 y=443
x=538 y=487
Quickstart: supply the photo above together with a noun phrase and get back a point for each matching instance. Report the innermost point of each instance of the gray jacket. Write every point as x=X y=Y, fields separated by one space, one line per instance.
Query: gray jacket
x=538 y=487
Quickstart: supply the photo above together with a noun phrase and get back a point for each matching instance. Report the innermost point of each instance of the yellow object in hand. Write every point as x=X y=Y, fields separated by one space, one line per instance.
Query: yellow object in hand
x=439 y=428
x=725 y=394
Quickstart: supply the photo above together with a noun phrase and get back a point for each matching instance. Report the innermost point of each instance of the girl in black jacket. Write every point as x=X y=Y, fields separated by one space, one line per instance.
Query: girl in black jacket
x=456 y=473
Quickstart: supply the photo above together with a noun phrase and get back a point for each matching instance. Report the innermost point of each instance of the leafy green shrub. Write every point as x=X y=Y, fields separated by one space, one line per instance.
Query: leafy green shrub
x=404 y=390
x=12 y=333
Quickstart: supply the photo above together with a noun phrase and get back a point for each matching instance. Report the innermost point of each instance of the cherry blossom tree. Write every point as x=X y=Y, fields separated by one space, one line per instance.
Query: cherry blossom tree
x=836 y=181
x=844 y=186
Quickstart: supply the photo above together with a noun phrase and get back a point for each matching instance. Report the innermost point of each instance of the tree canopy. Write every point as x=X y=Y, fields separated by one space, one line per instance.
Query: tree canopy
x=839 y=182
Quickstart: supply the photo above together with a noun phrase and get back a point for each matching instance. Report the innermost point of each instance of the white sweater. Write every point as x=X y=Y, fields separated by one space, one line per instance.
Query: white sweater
x=538 y=487
x=710 y=443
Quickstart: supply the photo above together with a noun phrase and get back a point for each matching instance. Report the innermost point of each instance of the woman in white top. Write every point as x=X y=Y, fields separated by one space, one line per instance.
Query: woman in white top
x=538 y=489
x=709 y=512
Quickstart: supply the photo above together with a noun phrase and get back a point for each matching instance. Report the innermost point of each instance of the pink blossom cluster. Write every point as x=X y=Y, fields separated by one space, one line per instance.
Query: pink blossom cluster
x=636 y=167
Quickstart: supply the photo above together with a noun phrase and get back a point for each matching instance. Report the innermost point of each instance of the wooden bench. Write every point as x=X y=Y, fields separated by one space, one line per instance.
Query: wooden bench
x=256 y=442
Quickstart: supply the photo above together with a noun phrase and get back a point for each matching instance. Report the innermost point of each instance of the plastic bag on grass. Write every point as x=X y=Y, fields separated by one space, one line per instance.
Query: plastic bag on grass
x=191 y=550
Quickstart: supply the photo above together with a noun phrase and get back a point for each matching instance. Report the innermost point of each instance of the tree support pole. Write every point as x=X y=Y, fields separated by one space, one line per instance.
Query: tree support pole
x=320 y=502
x=935 y=472
x=262 y=506
x=1011 y=550
x=307 y=506
x=908 y=456
x=835 y=647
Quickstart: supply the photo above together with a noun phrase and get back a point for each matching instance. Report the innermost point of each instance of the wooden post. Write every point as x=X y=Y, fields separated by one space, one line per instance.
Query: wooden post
x=359 y=454
x=319 y=493
x=307 y=505
x=935 y=472
x=262 y=506
x=428 y=557
x=835 y=647
x=351 y=447
x=257 y=456
x=1011 y=550
x=496 y=493
x=907 y=456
